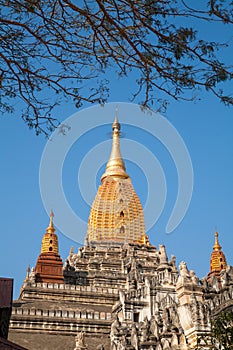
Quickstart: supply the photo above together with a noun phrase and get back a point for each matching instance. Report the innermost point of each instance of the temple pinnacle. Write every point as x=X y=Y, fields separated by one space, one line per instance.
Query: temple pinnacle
x=49 y=263
x=115 y=166
x=218 y=260
x=50 y=228
x=216 y=243
x=50 y=241
x=116 y=213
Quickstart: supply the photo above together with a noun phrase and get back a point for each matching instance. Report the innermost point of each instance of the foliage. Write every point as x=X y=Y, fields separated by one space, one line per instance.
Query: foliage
x=221 y=334
x=51 y=49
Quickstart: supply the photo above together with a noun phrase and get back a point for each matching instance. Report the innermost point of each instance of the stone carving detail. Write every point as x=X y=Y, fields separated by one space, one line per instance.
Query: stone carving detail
x=214 y=283
x=194 y=278
x=183 y=343
x=154 y=282
x=79 y=342
x=100 y=347
x=226 y=277
x=187 y=276
x=27 y=275
x=32 y=275
x=134 y=337
x=165 y=344
x=145 y=330
x=163 y=255
x=174 y=342
x=149 y=334
x=154 y=328
x=172 y=263
x=200 y=311
x=115 y=333
x=184 y=274
x=204 y=284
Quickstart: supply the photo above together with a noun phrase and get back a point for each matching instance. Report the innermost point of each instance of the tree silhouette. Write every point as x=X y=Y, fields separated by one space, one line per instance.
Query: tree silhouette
x=56 y=49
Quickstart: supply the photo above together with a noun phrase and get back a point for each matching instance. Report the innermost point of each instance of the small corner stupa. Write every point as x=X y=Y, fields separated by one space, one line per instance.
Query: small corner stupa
x=49 y=263
x=217 y=261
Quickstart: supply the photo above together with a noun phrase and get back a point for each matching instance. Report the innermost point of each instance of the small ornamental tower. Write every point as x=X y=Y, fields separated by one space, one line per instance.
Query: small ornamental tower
x=217 y=260
x=49 y=264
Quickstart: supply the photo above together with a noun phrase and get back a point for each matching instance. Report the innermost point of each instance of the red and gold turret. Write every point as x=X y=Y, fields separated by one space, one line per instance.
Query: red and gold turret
x=49 y=263
x=218 y=260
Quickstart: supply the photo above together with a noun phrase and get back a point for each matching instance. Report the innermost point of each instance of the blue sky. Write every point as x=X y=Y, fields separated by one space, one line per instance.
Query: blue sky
x=207 y=130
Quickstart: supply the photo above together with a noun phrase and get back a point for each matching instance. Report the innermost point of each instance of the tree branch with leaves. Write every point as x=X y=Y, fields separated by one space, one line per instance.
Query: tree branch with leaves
x=220 y=336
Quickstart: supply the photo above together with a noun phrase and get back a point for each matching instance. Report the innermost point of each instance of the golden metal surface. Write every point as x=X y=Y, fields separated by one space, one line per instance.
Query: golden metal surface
x=116 y=214
x=50 y=241
x=216 y=246
x=50 y=228
x=218 y=259
x=115 y=165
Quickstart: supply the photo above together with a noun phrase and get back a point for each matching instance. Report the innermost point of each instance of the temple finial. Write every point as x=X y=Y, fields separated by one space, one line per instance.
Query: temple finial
x=218 y=260
x=116 y=125
x=50 y=228
x=49 y=266
x=115 y=165
x=216 y=243
x=116 y=112
x=116 y=214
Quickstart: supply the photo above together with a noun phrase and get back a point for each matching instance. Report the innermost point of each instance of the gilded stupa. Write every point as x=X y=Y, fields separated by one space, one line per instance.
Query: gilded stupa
x=49 y=263
x=218 y=260
x=116 y=214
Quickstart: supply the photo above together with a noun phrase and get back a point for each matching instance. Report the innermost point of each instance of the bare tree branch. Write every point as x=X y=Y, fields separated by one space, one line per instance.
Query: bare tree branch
x=65 y=49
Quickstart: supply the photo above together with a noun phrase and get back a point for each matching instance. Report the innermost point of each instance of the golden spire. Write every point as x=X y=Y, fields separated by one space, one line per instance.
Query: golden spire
x=50 y=241
x=115 y=166
x=218 y=259
x=49 y=263
x=216 y=246
x=50 y=228
x=116 y=214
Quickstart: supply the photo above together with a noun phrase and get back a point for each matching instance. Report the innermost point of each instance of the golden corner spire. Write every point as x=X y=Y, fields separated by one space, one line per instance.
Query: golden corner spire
x=115 y=166
x=49 y=266
x=50 y=228
x=216 y=246
x=218 y=260
x=50 y=240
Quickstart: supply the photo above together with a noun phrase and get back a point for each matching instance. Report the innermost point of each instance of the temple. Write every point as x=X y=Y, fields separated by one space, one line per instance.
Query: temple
x=117 y=292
